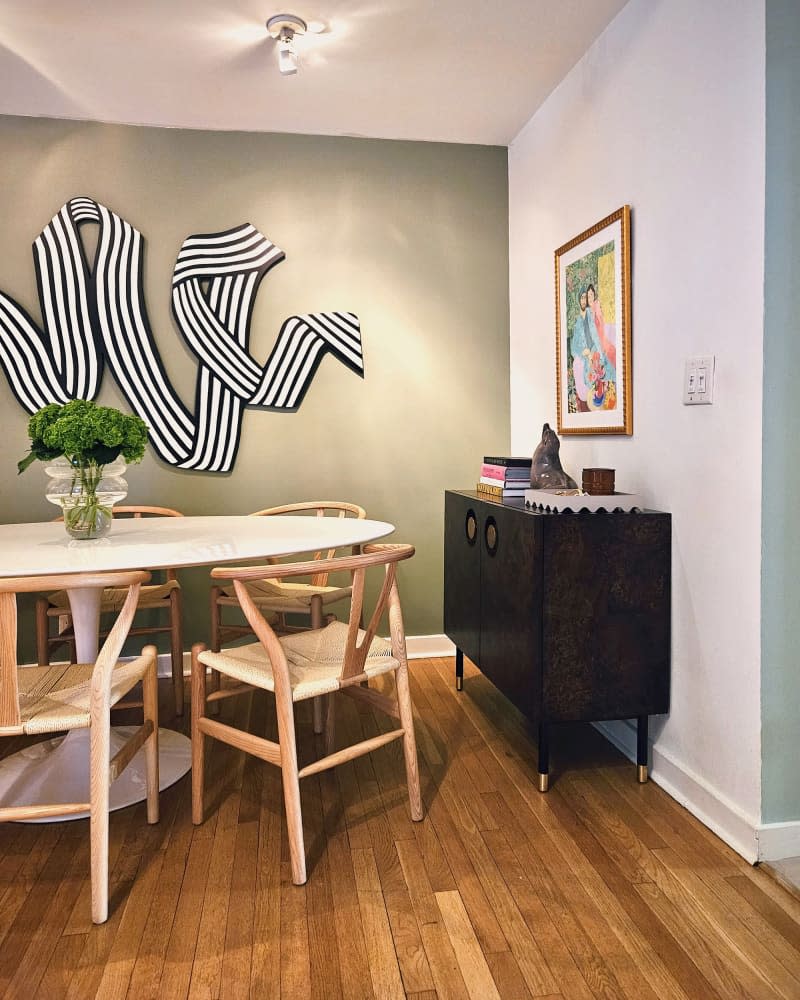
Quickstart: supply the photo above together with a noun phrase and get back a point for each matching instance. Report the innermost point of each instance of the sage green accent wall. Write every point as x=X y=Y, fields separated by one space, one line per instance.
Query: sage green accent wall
x=780 y=673
x=412 y=237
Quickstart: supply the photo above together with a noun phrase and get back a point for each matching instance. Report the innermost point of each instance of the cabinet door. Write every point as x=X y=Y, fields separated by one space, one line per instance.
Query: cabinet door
x=606 y=616
x=462 y=574
x=511 y=603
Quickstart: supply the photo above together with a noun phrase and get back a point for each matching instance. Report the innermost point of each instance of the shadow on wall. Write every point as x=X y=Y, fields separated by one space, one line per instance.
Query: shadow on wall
x=33 y=87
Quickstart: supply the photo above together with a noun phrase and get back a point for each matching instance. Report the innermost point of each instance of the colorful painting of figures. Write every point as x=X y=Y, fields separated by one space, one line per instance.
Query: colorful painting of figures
x=593 y=329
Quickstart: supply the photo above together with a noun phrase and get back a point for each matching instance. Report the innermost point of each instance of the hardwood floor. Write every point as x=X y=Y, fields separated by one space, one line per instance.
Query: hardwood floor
x=600 y=888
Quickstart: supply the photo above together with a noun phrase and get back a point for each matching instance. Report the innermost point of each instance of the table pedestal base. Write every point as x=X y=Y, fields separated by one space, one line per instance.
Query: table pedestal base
x=57 y=770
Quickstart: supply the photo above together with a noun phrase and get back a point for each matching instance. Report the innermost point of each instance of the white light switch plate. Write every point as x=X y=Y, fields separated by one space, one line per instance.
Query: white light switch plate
x=698 y=380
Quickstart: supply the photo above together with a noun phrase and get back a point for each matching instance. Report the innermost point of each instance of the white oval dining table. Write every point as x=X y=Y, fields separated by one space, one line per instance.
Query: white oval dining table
x=56 y=770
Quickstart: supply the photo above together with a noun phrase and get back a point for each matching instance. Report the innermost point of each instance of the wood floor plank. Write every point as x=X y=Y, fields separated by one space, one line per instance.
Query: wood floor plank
x=384 y=968
x=520 y=940
x=416 y=879
x=729 y=977
x=551 y=941
x=238 y=949
x=122 y=957
x=509 y=980
x=614 y=836
x=676 y=826
x=414 y=968
x=176 y=973
x=769 y=910
x=449 y=982
x=322 y=941
x=208 y=955
x=149 y=965
x=756 y=953
x=265 y=957
x=764 y=932
x=57 y=853
x=295 y=975
x=471 y=962
x=94 y=958
x=64 y=960
x=44 y=937
x=483 y=918
x=774 y=890
x=600 y=888
x=354 y=960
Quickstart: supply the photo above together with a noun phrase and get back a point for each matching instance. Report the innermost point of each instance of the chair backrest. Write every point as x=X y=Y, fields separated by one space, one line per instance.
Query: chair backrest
x=316 y=508
x=142 y=511
x=11 y=586
x=121 y=510
x=379 y=554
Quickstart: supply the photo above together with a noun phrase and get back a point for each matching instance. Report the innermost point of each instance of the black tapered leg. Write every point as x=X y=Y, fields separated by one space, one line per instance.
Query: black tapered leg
x=459 y=669
x=544 y=758
x=641 y=748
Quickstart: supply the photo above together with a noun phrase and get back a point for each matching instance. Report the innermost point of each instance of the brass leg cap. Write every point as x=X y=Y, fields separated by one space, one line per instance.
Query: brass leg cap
x=642 y=774
x=459 y=683
x=544 y=782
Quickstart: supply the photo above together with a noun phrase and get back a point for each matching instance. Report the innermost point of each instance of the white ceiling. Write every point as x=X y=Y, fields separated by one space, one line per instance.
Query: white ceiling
x=444 y=70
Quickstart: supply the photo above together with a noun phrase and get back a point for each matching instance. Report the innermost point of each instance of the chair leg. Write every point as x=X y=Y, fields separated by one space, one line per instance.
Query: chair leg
x=42 y=632
x=319 y=707
x=317 y=622
x=198 y=738
x=176 y=648
x=409 y=742
x=214 y=623
x=150 y=700
x=330 y=724
x=291 y=790
x=99 y=741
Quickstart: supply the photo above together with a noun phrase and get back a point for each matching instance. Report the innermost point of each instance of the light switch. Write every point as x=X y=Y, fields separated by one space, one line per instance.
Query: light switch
x=698 y=380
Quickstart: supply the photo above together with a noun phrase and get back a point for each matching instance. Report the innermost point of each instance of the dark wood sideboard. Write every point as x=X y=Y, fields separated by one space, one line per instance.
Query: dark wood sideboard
x=567 y=614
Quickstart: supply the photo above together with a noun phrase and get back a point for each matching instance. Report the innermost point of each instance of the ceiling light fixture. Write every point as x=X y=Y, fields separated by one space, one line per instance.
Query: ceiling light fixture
x=283 y=28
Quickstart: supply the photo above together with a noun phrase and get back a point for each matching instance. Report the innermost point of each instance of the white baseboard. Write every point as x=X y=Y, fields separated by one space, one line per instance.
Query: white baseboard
x=420 y=646
x=711 y=807
x=778 y=841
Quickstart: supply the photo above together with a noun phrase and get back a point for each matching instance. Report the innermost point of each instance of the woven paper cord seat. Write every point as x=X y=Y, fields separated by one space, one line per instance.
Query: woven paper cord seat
x=282 y=598
x=52 y=699
x=314 y=659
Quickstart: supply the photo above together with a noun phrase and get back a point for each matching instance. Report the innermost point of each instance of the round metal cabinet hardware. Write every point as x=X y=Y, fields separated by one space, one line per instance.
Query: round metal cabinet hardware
x=491 y=536
x=471 y=527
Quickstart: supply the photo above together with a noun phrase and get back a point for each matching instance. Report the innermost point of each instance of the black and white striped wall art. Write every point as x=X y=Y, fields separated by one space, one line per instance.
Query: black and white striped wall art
x=96 y=315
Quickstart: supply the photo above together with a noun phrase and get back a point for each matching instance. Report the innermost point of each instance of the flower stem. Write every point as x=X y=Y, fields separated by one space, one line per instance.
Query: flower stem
x=86 y=511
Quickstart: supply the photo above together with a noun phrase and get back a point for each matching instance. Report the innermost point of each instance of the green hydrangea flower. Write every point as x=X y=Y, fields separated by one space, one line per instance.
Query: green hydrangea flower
x=84 y=433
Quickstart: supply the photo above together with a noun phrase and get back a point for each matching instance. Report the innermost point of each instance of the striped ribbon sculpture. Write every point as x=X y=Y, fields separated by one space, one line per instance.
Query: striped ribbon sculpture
x=96 y=316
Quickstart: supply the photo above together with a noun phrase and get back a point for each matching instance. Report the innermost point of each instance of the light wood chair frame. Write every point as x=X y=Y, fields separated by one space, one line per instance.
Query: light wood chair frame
x=284 y=753
x=221 y=633
x=103 y=769
x=47 y=644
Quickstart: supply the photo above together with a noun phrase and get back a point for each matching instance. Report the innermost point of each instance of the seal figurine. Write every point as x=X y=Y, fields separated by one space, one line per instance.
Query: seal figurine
x=546 y=471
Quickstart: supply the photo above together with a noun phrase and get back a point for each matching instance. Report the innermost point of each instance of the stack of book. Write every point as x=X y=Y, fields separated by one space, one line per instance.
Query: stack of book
x=503 y=478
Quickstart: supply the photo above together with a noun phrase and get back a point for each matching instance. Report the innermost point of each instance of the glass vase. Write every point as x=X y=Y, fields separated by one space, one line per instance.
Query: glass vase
x=86 y=492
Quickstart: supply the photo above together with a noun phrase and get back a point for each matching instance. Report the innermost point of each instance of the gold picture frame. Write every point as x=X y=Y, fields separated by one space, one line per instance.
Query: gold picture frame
x=593 y=329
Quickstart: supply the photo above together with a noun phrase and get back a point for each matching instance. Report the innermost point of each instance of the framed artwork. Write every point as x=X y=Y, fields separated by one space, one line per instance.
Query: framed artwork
x=593 y=329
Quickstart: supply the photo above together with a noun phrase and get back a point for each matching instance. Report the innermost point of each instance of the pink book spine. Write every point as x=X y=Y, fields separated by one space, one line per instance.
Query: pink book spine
x=494 y=471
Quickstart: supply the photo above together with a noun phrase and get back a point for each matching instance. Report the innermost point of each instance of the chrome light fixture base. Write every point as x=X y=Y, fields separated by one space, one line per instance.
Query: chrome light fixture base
x=279 y=24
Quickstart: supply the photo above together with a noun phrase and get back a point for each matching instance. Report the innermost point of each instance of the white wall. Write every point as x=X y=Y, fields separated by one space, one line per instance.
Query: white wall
x=666 y=113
